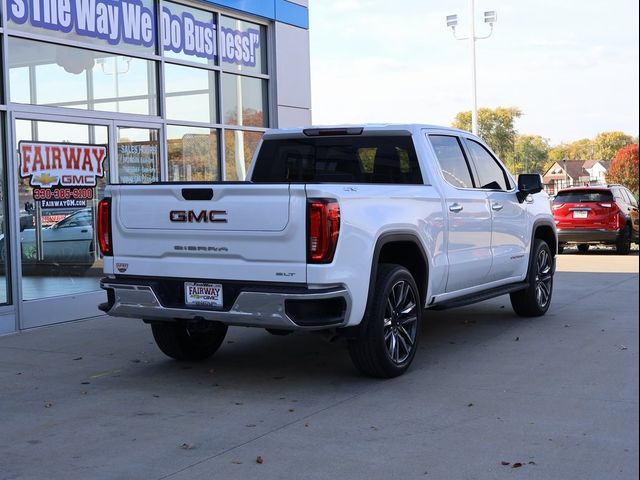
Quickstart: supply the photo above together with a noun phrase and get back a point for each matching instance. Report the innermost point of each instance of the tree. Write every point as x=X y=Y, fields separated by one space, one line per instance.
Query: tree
x=529 y=154
x=496 y=127
x=624 y=168
x=582 y=149
x=607 y=144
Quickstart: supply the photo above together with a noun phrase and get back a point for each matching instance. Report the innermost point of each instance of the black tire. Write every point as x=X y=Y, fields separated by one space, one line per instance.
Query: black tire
x=177 y=341
x=534 y=301
x=560 y=249
x=623 y=244
x=583 y=248
x=387 y=343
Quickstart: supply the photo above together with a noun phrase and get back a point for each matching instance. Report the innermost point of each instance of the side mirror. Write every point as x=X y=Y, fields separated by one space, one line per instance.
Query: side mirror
x=528 y=184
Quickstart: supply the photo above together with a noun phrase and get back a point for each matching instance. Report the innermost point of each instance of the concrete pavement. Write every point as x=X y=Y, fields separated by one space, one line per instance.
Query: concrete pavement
x=558 y=394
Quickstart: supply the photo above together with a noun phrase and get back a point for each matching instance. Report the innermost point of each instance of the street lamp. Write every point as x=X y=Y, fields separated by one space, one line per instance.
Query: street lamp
x=490 y=17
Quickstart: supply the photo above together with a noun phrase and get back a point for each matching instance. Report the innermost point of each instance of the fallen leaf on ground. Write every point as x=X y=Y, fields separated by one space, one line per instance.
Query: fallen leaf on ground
x=236 y=462
x=504 y=463
x=186 y=446
x=516 y=465
x=470 y=405
x=259 y=459
x=531 y=462
x=48 y=404
x=77 y=358
x=517 y=339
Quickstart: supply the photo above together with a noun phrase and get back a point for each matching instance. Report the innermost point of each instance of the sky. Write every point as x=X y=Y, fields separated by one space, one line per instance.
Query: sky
x=570 y=66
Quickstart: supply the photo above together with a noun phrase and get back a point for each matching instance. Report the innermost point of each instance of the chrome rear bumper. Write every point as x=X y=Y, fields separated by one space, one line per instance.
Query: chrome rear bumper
x=309 y=310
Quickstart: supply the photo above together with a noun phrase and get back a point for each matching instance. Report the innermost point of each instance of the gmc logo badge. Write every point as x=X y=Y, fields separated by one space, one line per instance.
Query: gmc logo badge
x=203 y=216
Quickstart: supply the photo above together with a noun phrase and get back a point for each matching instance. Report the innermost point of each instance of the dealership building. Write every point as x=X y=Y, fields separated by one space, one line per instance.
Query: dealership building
x=126 y=91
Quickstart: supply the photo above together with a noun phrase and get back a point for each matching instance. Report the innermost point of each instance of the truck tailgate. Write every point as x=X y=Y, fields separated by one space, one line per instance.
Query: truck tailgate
x=220 y=231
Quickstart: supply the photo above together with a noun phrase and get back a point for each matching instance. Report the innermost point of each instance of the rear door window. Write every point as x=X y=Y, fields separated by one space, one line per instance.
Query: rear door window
x=453 y=163
x=349 y=159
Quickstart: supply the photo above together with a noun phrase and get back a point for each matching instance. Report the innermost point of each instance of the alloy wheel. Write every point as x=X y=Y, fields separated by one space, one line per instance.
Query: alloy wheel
x=400 y=322
x=544 y=278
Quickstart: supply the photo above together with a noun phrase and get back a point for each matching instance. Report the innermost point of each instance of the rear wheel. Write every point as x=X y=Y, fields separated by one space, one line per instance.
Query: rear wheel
x=392 y=323
x=583 y=248
x=623 y=244
x=177 y=340
x=534 y=301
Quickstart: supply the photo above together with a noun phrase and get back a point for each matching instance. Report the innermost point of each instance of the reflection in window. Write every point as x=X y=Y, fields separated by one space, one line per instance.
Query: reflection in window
x=245 y=100
x=190 y=94
x=239 y=149
x=193 y=154
x=138 y=155
x=243 y=46
x=56 y=75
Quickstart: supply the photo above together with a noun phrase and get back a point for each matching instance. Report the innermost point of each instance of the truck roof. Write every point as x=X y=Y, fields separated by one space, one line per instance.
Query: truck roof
x=357 y=129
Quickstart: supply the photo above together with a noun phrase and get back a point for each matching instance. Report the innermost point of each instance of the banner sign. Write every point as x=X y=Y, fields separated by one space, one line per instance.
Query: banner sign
x=63 y=175
x=131 y=22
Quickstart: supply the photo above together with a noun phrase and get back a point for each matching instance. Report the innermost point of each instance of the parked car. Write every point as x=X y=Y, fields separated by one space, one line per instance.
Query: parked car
x=605 y=215
x=67 y=243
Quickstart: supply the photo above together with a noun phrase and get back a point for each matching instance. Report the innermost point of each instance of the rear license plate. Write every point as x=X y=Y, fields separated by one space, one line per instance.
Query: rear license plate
x=203 y=294
x=580 y=214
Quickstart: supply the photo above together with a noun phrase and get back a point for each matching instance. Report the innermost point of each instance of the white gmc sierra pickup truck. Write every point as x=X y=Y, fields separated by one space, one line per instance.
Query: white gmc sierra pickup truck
x=351 y=230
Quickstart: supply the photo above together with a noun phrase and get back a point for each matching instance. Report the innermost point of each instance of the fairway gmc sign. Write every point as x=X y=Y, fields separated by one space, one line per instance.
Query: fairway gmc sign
x=61 y=164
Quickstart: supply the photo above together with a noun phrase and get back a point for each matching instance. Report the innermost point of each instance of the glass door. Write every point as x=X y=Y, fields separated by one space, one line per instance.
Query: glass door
x=137 y=153
x=62 y=168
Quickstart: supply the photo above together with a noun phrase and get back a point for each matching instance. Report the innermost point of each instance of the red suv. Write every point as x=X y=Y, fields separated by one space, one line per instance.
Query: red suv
x=596 y=215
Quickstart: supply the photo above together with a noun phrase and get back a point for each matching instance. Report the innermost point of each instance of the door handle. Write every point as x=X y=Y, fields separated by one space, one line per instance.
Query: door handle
x=84 y=231
x=455 y=207
x=496 y=207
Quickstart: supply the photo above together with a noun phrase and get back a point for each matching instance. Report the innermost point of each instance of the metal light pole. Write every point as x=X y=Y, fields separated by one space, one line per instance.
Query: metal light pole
x=490 y=17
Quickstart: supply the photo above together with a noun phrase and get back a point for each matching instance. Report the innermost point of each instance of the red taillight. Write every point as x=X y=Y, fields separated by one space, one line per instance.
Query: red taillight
x=323 y=230
x=104 y=227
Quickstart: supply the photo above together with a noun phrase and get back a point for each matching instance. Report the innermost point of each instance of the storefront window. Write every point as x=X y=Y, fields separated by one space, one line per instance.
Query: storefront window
x=239 y=149
x=190 y=94
x=243 y=46
x=245 y=100
x=57 y=202
x=127 y=24
x=55 y=75
x=193 y=154
x=189 y=34
x=138 y=155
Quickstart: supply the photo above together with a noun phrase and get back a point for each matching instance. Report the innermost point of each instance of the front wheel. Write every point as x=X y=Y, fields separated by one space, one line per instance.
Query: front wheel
x=534 y=301
x=392 y=323
x=178 y=341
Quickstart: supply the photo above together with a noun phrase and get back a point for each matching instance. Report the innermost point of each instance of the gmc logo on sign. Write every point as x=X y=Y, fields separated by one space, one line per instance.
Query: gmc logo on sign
x=203 y=216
